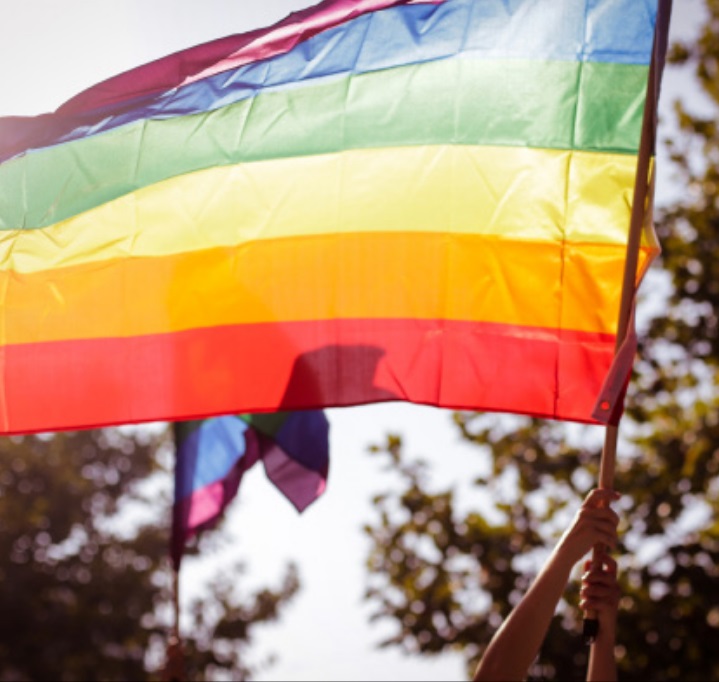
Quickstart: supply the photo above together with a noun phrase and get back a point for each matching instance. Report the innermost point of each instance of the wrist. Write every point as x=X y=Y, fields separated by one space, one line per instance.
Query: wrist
x=607 y=621
x=562 y=557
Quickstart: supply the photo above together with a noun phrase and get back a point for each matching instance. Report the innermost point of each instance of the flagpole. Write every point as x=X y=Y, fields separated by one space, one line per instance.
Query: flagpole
x=174 y=656
x=639 y=210
x=176 y=603
x=174 y=670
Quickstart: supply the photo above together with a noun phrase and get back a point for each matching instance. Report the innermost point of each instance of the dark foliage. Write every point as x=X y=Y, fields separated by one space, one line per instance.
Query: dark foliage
x=85 y=590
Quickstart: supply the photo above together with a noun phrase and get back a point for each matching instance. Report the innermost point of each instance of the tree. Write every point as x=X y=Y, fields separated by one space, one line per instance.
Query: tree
x=85 y=587
x=446 y=578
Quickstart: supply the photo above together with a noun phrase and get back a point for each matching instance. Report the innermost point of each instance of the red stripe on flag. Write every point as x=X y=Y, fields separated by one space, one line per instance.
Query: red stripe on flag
x=284 y=366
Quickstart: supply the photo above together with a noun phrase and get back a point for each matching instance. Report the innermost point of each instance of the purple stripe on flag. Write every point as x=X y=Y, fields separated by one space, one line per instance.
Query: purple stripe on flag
x=300 y=485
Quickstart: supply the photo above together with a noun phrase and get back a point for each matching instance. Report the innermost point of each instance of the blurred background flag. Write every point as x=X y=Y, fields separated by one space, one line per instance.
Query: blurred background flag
x=212 y=456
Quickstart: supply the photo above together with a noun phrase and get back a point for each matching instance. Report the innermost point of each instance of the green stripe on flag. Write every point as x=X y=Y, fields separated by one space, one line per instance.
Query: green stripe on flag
x=549 y=105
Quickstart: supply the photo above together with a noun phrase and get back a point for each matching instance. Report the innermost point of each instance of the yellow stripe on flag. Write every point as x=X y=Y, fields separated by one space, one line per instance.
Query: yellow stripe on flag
x=513 y=193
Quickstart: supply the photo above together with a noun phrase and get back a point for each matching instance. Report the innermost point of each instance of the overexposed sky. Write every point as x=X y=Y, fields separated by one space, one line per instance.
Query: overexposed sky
x=52 y=49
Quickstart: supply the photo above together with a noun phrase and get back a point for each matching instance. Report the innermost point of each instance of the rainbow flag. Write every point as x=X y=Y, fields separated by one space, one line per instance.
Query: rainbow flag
x=212 y=456
x=372 y=200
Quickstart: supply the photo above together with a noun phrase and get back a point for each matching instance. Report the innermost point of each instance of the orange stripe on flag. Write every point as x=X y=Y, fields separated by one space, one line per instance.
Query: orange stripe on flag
x=423 y=276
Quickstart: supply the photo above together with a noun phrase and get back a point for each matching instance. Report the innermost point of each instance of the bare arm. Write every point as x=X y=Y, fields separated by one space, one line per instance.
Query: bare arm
x=600 y=593
x=516 y=643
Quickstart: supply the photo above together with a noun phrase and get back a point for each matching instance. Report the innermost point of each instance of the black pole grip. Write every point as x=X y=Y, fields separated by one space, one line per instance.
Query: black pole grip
x=590 y=630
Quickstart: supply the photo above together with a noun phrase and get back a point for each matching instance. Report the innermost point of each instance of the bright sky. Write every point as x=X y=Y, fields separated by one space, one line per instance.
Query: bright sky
x=49 y=51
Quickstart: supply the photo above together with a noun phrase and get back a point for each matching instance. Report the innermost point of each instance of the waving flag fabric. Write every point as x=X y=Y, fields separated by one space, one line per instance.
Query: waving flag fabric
x=372 y=200
x=212 y=455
